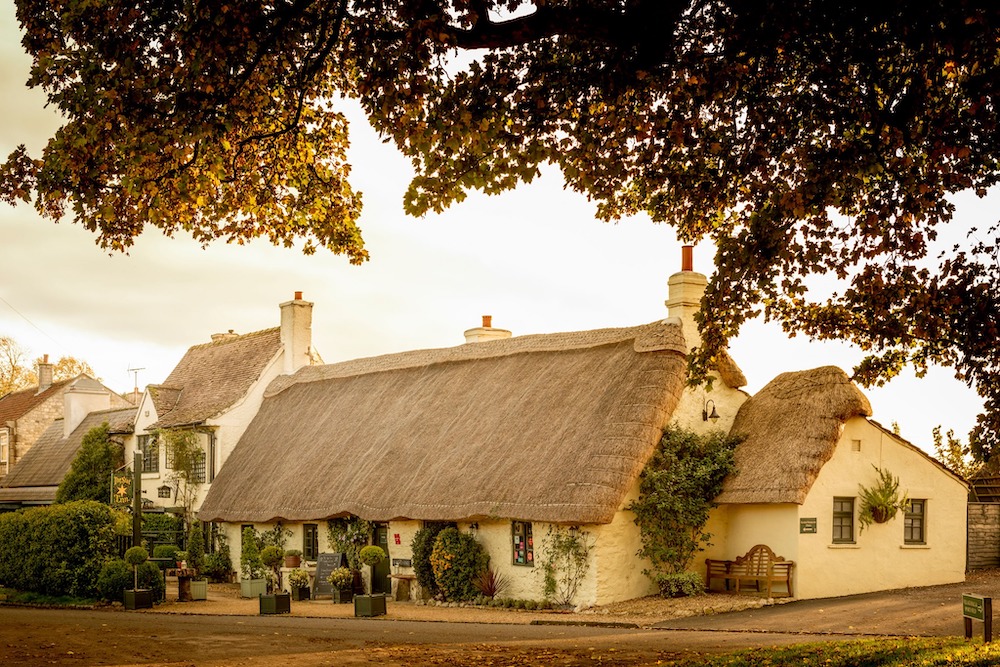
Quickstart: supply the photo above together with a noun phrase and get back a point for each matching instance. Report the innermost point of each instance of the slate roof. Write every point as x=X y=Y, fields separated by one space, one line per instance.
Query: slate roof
x=36 y=477
x=16 y=404
x=212 y=377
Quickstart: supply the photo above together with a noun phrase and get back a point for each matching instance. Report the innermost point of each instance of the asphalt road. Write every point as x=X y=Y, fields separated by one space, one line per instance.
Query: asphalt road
x=30 y=637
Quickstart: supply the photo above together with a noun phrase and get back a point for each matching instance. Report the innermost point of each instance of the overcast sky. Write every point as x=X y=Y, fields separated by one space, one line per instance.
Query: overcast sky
x=535 y=259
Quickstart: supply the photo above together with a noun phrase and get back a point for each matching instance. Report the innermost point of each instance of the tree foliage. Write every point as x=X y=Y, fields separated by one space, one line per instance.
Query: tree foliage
x=89 y=476
x=16 y=373
x=958 y=456
x=676 y=493
x=186 y=460
x=802 y=138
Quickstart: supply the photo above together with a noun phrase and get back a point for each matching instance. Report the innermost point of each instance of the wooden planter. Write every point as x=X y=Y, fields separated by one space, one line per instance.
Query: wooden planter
x=253 y=588
x=140 y=598
x=300 y=594
x=199 y=589
x=276 y=603
x=342 y=596
x=369 y=605
x=293 y=561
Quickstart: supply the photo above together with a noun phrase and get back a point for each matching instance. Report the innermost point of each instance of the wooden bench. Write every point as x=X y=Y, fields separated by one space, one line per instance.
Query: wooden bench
x=759 y=566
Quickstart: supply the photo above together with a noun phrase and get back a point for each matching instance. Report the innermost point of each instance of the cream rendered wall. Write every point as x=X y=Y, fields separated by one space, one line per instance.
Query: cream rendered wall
x=616 y=566
x=879 y=560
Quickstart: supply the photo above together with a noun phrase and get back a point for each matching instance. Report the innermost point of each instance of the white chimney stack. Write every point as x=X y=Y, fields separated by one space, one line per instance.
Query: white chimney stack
x=685 y=290
x=296 y=333
x=485 y=332
x=80 y=399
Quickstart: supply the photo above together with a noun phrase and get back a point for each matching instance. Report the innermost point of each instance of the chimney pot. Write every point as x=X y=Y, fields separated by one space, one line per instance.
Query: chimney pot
x=687 y=258
x=45 y=358
x=487 y=321
x=298 y=296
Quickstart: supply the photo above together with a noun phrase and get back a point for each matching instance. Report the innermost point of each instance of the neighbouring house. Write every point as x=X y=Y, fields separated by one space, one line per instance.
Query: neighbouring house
x=26 y=414
x=214 y=392
x=36 y=477
x=809 y=445
x=507 y=436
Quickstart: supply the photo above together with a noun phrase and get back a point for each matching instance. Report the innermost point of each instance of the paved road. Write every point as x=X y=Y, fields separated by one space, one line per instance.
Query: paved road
x=74 y=637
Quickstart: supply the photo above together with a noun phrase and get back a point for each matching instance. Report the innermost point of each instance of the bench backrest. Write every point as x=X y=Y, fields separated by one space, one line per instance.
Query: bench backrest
x=757 y=561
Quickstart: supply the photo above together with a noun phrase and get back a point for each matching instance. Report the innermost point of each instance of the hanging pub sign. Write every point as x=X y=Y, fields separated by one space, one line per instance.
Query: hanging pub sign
x=121 y=489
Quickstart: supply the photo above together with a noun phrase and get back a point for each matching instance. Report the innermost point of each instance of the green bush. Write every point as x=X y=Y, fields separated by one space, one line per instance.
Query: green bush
x=680 y=585
x=251 y=566
x=114 y=579
x=457 y=558
x=169 y=526
x=421 y=548
x=196 y=547
x=151 y=577
x=165 y=551
x=56 y=550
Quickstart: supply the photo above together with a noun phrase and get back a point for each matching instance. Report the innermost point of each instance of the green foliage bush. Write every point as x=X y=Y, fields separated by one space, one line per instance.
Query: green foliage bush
x=169 y=526
x=165 y=551
x=348 y=536
x=218 y=565
x=676 y=493
x=196 y=547
x=421 y=547
x=679 y=585
x=115 y=577
x=90 y=472
x=151 y=577
x=251 y=566
x=56 y=550
x=457 y=558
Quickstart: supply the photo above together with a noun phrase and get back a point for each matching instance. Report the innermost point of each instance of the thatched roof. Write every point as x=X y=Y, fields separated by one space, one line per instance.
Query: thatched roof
x=212 y=377
x=36 y=477
x=792 y=427
x=547 y=427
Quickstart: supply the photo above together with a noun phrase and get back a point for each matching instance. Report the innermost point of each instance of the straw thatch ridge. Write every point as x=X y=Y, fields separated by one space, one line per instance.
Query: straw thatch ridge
x=544 y=428
x=791 y=427
x=212 y=377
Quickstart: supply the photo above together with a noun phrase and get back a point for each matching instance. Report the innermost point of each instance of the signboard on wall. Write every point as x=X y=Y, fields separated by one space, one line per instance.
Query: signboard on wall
x=807 y=526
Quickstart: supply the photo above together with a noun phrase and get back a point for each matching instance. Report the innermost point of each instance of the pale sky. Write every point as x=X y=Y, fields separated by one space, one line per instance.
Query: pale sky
x=535 y=259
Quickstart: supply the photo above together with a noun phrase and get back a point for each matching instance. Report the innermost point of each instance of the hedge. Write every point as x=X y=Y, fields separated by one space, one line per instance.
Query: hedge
x=56 y=550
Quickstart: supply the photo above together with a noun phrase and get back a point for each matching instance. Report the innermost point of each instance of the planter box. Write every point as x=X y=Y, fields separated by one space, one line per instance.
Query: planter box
x=278 y=603
x=300 y=594
x=343 y=596
x=369 y=605
x=199 y=589
x=253 y=588
x=141 y=598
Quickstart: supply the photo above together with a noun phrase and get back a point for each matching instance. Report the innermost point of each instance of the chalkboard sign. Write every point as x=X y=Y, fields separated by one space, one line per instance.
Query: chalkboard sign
x=325 y=564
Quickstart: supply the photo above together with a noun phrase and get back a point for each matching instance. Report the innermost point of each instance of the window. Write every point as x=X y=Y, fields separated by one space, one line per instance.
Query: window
x=524 y=543
x=4 y=452
x=843 y=520
x=914 y=521
x=199 y=467
x=150 y=453
x=310 y=541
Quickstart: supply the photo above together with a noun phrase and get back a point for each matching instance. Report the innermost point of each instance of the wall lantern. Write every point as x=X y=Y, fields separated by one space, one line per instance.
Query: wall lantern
x=706 y=415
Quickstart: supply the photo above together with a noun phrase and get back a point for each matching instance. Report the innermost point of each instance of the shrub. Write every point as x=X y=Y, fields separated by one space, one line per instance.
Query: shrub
x=489 y=582
x=421 y=548
x=565 y=561
x=168 y=527
x=151 y=577
x=196 y=547
x=298 y=578
x=168 y=551
x=371 y=555
x=56 y=550
x=457 y=558
x=251 y=566
x=341 y=578
x=680 y=585
x=218 y=565
x=115 y=577
x=348 y=536
x=272 y=557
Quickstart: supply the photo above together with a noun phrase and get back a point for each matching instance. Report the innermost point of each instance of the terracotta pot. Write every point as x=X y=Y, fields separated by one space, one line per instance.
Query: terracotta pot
x=293 y=561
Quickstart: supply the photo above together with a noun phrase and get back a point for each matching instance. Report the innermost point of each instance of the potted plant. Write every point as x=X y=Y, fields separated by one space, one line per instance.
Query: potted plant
x=298 y=580
x=252 y=582
x=275 y=601
x=293 y=558
x=196 y=560
x=137 y=598
x=881 y=502
x=181 y=557
x=368 y=604
x=342 y=580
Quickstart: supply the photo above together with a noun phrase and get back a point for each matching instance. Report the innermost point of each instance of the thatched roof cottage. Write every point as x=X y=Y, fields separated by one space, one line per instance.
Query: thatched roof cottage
x=809 y=446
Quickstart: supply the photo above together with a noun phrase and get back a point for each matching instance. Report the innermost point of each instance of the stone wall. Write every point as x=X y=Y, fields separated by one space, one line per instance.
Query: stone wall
x=984 y=536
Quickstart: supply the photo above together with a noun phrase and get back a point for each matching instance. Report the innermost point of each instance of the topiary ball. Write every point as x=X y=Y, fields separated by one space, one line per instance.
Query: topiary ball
x=136 y=556
x=272 y=556
x=372 y=555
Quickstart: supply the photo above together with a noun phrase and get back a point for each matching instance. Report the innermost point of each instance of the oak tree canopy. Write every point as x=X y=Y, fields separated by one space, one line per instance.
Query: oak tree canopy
x=803 y=137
